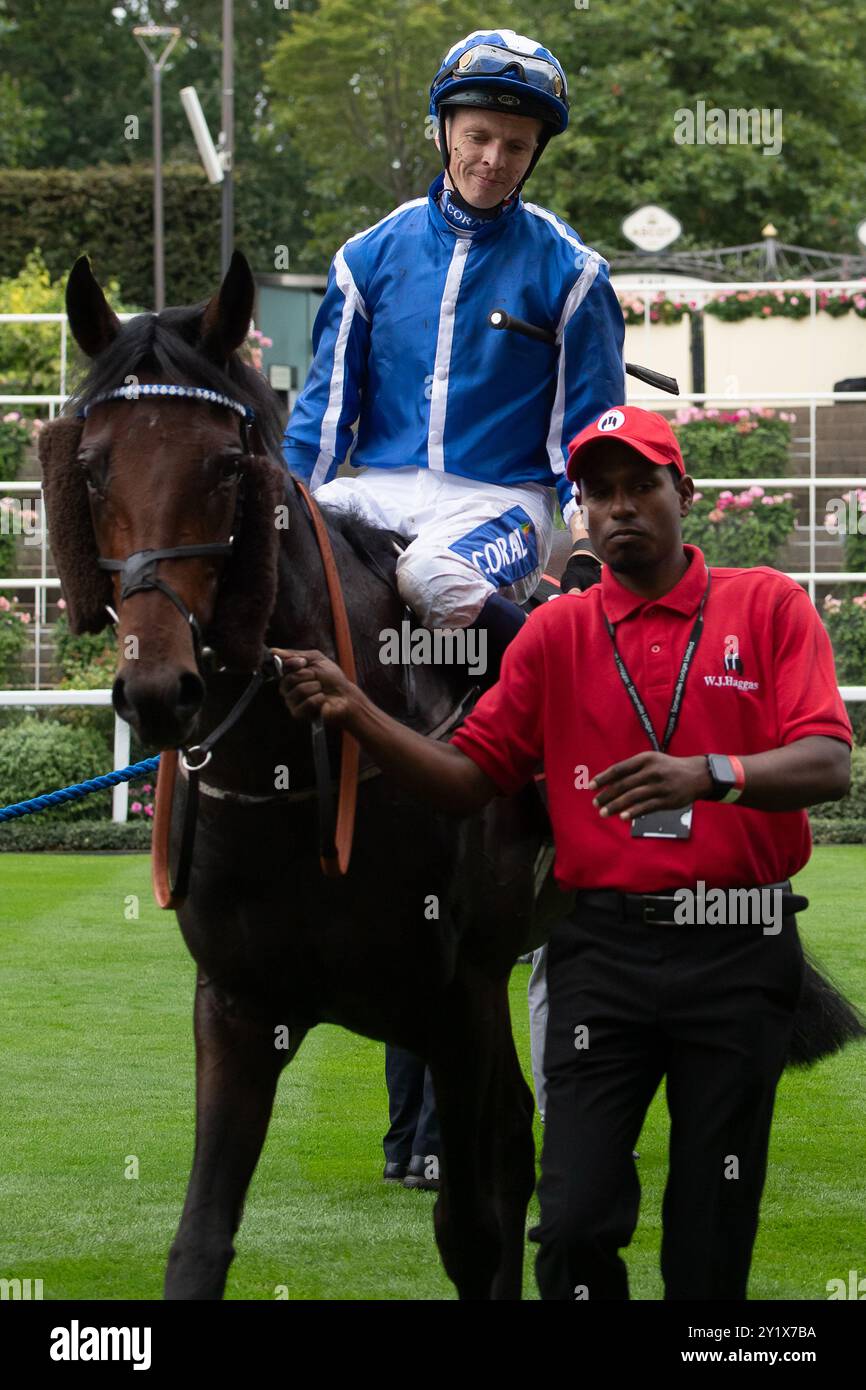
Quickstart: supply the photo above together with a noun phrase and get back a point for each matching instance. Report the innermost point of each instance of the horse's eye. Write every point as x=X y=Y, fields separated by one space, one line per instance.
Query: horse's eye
x=94 y=468
x=228 y=469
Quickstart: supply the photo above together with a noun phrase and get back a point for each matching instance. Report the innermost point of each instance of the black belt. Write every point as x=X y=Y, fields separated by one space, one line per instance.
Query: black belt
x=657 y=909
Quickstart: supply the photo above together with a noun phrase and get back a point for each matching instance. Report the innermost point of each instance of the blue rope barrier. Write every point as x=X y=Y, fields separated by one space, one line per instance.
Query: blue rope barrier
x=78 y=790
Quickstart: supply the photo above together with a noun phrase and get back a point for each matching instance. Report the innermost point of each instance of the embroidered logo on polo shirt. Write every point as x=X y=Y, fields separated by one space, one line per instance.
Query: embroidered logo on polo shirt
x=732 y=653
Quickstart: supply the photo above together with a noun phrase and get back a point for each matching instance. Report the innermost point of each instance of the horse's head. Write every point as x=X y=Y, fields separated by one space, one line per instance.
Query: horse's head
x=136 y=470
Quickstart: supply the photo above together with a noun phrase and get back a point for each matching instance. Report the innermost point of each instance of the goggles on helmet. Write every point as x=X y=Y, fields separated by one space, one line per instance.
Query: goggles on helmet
x=488 y=60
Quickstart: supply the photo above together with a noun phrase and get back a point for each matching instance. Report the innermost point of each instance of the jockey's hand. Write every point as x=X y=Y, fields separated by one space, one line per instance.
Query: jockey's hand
x=312 y=686
x=650 y=782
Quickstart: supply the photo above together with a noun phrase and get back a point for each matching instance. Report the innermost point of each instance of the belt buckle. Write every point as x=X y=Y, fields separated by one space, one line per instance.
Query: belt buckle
x=651 y=907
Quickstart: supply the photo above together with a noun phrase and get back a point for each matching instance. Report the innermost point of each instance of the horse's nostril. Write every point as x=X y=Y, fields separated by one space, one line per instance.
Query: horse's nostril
x=190 y=693
x=118 y=698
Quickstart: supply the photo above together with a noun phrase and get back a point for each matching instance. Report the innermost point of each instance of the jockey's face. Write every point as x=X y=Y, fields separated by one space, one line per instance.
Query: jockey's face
x=490 y=152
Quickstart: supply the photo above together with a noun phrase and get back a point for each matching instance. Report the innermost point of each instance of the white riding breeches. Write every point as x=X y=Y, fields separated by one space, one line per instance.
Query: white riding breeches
x=467 y=539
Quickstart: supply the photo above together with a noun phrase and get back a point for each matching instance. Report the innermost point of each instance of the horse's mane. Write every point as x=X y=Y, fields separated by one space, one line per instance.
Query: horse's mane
x=168 y=345
x=366 y=539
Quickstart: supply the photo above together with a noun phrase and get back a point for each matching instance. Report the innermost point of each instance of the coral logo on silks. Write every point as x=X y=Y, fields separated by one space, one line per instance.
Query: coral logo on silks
x=504 y=548
x=732 y=653
x=613 y=420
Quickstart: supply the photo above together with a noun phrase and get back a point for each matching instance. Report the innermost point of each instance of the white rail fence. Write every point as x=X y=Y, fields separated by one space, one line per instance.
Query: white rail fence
x=42 y=584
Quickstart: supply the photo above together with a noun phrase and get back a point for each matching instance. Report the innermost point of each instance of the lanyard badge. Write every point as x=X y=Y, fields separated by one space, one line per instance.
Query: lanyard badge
x=673 y=824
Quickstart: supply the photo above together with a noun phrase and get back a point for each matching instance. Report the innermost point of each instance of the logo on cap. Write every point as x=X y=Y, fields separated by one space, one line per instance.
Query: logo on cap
x=509 y=101
x=613 y=420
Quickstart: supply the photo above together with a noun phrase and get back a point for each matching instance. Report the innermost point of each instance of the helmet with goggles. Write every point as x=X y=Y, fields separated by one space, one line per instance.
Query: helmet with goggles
x=500 y=70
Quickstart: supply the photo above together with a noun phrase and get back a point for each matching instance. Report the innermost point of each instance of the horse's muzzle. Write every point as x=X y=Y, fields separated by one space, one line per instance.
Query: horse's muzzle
x=161 y=705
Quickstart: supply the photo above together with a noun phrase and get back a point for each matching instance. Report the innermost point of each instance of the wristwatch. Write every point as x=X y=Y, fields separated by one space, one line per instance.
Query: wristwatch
x=727 y=777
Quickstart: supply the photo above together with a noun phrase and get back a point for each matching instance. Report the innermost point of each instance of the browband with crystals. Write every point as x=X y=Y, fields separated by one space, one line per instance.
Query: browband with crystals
x=196 y=393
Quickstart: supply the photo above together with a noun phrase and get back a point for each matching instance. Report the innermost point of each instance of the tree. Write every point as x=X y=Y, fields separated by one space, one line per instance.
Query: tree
x=352 y=85
x=80 y=74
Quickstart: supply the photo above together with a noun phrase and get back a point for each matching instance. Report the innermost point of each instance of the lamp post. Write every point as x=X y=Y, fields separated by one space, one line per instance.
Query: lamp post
x=227 y=137
x=142 y=33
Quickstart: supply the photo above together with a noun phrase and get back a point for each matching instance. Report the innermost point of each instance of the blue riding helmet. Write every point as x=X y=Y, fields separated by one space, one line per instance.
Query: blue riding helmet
x=503 y=71
x=500 y=70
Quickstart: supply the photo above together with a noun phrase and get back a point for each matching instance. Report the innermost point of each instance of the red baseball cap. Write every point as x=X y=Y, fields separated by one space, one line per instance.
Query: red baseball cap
x=643 y=430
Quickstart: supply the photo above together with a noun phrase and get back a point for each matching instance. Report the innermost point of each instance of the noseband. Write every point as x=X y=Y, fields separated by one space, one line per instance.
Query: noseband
x=138 y=573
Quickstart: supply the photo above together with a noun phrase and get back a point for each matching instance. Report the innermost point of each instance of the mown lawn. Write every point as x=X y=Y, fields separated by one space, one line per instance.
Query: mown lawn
x=97 y=1067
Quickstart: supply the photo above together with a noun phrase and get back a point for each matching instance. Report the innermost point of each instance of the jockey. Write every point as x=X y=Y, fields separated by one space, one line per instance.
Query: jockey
x=462 y=430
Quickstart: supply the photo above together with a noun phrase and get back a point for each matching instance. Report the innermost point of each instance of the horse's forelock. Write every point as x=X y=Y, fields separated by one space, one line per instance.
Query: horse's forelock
x=168 y=345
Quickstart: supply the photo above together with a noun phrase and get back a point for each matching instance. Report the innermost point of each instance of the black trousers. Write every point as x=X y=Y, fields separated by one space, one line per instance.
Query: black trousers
x=411 y=1108
x=711 y=1009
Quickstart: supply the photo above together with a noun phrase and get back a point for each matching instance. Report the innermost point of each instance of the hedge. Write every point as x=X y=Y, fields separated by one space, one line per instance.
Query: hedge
x=850 y=811
x=107 y=213
x=33 y=833
x=43 y=755
x=838 y=832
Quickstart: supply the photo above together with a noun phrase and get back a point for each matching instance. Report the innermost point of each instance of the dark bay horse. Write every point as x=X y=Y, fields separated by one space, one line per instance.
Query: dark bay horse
x=415 y=944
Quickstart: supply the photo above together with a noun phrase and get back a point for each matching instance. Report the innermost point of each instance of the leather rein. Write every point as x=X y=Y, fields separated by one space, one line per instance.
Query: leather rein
x=138 y=573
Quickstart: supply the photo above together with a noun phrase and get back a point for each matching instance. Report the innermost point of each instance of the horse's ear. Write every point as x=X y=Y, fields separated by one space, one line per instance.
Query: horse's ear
x=86 y=588
x=226 y=320
x=94 y=324
x=248 y=590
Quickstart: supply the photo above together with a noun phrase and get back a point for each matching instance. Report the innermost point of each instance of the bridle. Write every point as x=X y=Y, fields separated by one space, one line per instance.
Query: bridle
x=138 y=574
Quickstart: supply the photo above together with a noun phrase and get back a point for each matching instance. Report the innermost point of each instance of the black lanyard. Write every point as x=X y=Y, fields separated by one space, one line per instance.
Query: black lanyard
x=679 y=688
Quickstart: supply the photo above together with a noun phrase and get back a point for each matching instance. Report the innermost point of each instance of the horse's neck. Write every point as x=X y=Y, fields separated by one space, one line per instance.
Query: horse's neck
x=302 y=619
x=302 y=615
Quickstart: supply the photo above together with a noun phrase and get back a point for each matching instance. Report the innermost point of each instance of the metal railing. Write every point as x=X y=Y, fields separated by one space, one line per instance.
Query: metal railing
x=811 y=577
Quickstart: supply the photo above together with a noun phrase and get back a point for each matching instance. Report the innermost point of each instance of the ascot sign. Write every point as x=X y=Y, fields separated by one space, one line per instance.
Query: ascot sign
x=651 y=228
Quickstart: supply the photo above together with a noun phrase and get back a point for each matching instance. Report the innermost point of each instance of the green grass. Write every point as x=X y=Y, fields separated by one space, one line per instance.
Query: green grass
x=97 y=1065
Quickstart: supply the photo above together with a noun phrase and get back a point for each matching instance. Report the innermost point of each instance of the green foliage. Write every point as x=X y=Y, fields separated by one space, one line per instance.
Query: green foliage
x=13 y=636
x=734 y=443
x=846 y=624
x=107 y=213
x=16 y=434
x=33 y=833
x=80 y=75
x=735 y=305
x=353 y=92
x=331 y=102
x=838 y=832
x=43 y=755
x=21 y=126
x=737 y=530
x=850 y=520
x=77 y=656
x=7 y=539
x=29 y=352
x=632 y=67
x=853 y=807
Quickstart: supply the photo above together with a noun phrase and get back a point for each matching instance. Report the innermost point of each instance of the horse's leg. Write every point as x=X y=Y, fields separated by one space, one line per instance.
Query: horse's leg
x=461 y=1062
x=509 y=1121
x=238 y=1062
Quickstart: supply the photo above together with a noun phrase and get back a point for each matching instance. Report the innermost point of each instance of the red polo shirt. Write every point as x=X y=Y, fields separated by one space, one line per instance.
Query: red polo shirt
x=762 y=677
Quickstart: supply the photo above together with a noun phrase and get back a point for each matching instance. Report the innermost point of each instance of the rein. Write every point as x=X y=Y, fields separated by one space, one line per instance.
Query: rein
x=138 y=573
